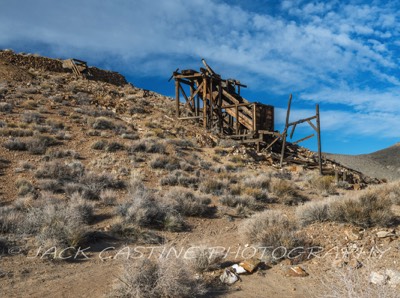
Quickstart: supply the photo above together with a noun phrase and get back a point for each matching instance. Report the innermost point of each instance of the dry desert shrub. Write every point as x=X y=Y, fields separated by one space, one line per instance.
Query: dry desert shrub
x=15 y=145
x=6 y=107
x=203 y=258
x=238 y=200
x=169 y=163
x=24 y=187
x=10 y=219
x=9 y=132
x=261 y=181
x=144 y=210
x=286 y=191
x=56 y=223
x=163 y=277
x=103 y=123
x=369 y=208
x=271 y=228
x=324 y=185
x=391 y=191
x=147 y=145
x=213 y=186
x=349 y=282
x=313 y=212
x=99 y=145
x=180 y=178
x=188 y=203
x=32 y=117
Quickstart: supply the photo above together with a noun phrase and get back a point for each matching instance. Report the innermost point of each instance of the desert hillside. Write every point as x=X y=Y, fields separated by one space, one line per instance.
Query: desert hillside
x=104 y=191
x=383 y=164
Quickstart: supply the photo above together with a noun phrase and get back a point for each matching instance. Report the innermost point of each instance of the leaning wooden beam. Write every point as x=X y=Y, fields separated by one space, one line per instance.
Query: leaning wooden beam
x=312 y=125
x=303 y=139
x=272 y=143
x=208 y=67
x=293 y=128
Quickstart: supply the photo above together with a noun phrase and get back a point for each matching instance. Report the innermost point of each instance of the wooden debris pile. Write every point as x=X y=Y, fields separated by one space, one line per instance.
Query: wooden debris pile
x=298 y=157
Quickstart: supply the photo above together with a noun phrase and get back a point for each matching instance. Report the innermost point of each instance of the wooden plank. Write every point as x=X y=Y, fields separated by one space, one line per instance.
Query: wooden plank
x=234 y=105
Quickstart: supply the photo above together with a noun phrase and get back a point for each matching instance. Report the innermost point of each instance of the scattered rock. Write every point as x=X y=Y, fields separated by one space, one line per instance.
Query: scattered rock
x=239 y=269
x=377 y=278
x=228 y=277
x=353 y=234
x=296 y=271
x=393 y=276
x=384 y=234
x=250 y=265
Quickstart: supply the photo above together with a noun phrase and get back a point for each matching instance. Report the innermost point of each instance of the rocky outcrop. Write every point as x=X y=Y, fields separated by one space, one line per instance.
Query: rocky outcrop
x=29 y=61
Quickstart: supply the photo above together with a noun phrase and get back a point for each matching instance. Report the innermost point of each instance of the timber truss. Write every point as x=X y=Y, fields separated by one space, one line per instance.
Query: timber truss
x=216 y=104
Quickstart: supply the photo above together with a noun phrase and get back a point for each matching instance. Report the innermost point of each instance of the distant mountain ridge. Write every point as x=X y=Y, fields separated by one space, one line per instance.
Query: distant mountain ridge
x=383 y=164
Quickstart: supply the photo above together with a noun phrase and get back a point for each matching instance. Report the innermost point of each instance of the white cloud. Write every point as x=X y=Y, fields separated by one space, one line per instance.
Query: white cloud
x=324 y=50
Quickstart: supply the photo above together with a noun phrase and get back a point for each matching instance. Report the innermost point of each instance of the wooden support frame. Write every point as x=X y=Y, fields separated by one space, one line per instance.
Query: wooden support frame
x=316 y=127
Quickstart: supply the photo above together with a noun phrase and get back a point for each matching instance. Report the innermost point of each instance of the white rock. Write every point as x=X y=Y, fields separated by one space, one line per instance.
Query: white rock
x=377 y=278
x=394 y=277
x=228 y=277
x=239 y=269
x=384 y=234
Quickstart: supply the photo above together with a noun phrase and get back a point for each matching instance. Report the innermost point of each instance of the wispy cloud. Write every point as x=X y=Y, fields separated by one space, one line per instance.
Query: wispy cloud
x=333 y=52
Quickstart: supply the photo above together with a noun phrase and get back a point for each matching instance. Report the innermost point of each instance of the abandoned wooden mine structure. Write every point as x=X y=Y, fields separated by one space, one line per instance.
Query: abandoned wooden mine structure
x=217 y=105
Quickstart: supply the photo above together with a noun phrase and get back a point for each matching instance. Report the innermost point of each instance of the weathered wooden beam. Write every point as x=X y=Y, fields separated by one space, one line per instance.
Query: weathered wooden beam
x=293 y=128
x=302 y=121
x=195 y=76
x=312 y=125
x=285 y=132
x=272 y=143
x=177 y=84
x=189 y=118
x=303 y=139
x=237 y=105
x=204 y=102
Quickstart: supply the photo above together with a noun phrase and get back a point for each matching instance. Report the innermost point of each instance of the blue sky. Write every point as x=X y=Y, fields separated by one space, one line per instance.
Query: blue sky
x=343 y=55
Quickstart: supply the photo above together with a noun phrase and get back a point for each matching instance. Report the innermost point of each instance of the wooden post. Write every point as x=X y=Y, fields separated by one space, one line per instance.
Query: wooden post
x=285 y=131
x=191 y=96
x=177 y=97
x=319 y=139
x=254 y=117
x=237 y=118
x=221 y=121
x=204 y=102
x=211 y=107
